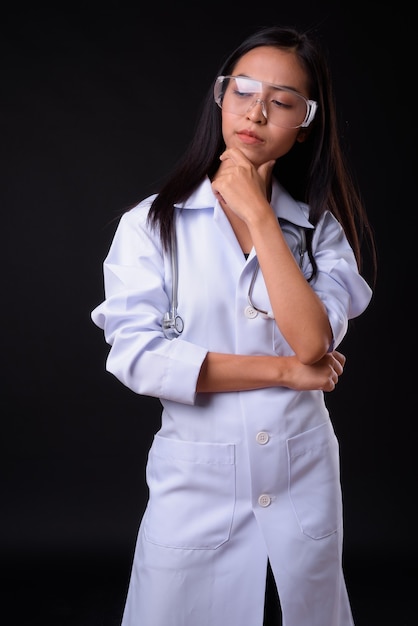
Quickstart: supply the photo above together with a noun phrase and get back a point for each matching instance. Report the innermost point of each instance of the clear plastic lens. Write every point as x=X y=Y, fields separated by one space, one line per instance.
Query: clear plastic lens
x=280 y=105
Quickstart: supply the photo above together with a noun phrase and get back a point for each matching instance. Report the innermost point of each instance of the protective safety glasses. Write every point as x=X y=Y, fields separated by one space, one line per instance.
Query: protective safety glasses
x=280 y=105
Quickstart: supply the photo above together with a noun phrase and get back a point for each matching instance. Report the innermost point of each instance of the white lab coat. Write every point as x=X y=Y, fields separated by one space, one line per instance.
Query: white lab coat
x=234 y=478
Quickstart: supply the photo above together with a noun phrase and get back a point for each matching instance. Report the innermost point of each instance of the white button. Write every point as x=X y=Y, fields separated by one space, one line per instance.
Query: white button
x=250 y=312
x=262 y=438
x=264 y=500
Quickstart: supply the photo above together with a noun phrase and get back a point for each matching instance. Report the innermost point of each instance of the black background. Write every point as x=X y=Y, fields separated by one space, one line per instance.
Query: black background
x=96 y=106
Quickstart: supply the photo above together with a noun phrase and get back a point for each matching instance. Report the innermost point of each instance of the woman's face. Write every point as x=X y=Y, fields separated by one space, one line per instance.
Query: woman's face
x=250 y=131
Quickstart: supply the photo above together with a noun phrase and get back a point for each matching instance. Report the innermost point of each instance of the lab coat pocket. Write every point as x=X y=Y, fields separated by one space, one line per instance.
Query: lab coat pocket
x=314 y=481
x=191 y=493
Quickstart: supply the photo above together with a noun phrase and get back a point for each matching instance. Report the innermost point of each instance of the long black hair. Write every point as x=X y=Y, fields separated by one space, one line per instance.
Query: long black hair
x=314 y=171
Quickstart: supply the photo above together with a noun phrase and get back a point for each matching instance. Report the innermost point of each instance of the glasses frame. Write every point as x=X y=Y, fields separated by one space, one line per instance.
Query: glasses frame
x=311 y=105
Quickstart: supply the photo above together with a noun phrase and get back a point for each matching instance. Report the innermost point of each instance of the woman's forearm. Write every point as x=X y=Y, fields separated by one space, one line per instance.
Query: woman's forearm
x=298 y=311
x=234 y=372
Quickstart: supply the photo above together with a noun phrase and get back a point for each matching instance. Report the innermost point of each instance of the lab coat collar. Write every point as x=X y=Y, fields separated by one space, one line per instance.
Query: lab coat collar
x=283 y=204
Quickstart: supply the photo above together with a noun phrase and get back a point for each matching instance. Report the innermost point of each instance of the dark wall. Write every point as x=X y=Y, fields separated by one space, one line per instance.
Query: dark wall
x=95 y=108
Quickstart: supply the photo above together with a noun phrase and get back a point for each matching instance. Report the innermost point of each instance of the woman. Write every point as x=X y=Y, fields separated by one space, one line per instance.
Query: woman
x=244 y=472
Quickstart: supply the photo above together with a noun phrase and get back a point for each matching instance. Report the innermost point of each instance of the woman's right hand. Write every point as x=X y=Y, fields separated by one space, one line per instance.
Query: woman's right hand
x=322 y=375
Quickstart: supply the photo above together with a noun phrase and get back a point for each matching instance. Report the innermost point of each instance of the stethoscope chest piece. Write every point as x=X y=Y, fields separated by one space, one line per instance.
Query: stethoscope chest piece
x=172 y=325
x=178 y=324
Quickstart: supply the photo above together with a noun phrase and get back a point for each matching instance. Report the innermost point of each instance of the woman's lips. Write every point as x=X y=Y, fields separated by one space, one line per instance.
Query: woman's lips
x=248 y=137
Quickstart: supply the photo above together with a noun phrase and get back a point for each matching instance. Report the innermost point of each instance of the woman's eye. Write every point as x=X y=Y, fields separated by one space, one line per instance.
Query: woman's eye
x=243 y=94
x=281 y=104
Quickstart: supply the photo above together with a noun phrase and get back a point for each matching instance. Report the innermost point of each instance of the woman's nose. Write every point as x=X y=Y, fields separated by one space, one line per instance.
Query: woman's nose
x=257 y=111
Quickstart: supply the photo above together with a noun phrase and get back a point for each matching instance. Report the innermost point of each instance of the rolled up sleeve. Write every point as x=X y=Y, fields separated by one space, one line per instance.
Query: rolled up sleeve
x=136 y=298
x=338 y=283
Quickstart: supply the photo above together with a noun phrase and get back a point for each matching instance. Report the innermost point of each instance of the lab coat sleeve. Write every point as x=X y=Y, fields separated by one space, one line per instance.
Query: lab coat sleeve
x=131 y=314
x=338 y=283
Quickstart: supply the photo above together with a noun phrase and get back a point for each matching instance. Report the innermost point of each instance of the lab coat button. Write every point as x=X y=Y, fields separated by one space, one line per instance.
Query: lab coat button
x=250 y=312
x=264 y=500
x=262 y=438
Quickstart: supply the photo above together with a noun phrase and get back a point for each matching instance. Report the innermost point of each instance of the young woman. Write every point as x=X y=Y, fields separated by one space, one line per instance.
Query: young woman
x=226 y=296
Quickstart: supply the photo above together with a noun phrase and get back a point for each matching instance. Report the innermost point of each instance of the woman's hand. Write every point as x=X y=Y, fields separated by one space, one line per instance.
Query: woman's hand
x=322 y=375
x=240 y=185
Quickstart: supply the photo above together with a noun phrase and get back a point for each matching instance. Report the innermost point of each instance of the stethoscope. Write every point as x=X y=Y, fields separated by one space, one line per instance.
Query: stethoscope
x=173 y=323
